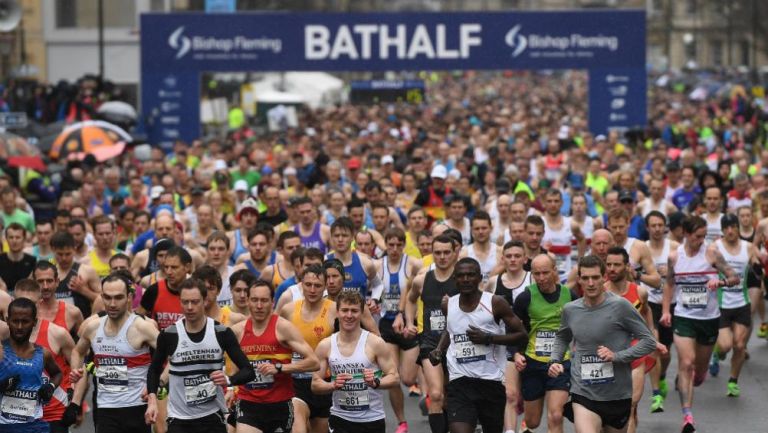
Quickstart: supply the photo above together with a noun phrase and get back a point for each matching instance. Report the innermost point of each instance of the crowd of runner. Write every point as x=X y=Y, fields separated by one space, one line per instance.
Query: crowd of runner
x=481 y=250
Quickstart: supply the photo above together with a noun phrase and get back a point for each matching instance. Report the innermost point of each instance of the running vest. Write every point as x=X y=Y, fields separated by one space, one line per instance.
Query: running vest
x=252 y=268
x=588 y=229
x=313 y=332
x=632 y=296
x=239 y=248
x=265 y=348
x=394 y=286
x=167 y=309
x=714 y=229
x=560 y=246
x=466 y=233
x=432 y=320
x=102 y=269
x=694 y=300
x=735 y=296
x=277 y=277
x=192 y=394
x=355 y=278
x=121 y=370
x=655 y=294
x=647 y=206
x=355 y=401
x=225 y=296
x=465 y=358
x=22 y=404
x=545 y=321
x=54 y=410
x=487 y=265
x=314 y=240
x=61 y=315
x=62 y=291
x=511 y=293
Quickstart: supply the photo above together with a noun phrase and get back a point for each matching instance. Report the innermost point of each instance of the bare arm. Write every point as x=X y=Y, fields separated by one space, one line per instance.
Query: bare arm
x=387 y=364
x=319 y=385
x=718 y=261
x=650 y=275
x=669 y=287
x=54 y=372
x=291 y=337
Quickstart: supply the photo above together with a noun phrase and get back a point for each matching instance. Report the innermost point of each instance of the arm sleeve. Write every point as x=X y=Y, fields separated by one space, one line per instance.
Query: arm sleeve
x=563 y=338
x=634 y=323
x=166 y=344
x=148 y=298
x=521 y=308
x=228 y=342
x=422 y=198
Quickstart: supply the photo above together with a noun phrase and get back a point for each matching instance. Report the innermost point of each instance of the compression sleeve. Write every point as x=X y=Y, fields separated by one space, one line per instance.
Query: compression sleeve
x=166 y=344
x=520 y=308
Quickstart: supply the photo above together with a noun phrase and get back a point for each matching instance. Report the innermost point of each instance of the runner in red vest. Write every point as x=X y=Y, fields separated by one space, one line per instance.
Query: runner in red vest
x=161 y=300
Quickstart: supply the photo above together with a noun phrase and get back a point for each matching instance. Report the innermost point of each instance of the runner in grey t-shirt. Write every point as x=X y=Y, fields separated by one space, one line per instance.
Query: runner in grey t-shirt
x=602 y=326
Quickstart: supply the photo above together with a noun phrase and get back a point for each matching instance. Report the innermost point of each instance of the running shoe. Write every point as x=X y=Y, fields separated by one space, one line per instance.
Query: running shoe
x=402 y=428
x=763 y=331
x=733 y=390
x=714 y=365
x=424 y=405
x=663 y=388
x=414 y=391
x=688 y=425
x=657 y=404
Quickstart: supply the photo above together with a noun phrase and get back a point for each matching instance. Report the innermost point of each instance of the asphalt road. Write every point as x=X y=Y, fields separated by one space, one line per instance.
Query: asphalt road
x=713 y=411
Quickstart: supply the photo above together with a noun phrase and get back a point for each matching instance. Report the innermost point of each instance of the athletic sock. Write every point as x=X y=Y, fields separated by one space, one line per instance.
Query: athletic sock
x=662 y=377
x=656 y=392
x=733 y=380
x=687 y=411
x=437 y=423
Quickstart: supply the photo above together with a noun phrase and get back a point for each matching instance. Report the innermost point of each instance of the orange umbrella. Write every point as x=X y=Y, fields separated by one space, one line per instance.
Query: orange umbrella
x=102 y=139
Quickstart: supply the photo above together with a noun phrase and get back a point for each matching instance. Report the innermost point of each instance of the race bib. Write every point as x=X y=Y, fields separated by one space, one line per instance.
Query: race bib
x=354 y=397
x=390 y=302
x=261 y=381
x=595 y=371
x=198 y=390
x=694 y=296
x=19 y=405
x=545 y=341
x=466 y=351
x=436 y=320
x=112 y=375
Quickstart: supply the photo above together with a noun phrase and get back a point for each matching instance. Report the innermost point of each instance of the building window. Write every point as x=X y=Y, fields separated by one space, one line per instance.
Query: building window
x=690 y=50
x=717 y=53
x=745 y=49
x=84 y=14
x=66 y=13
x=690 y=7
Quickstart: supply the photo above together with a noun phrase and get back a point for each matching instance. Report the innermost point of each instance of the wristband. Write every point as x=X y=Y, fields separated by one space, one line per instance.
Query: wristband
x=488 y=338
x=376 y=383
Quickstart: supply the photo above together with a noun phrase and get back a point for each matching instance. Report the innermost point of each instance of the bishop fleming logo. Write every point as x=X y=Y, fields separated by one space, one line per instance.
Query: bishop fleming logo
x=179 y=42
x=516 y=41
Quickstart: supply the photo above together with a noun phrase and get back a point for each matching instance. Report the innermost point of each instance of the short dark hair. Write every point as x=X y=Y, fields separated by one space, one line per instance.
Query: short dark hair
x=693 y=223
x=209 y=274
x=122 y=276
x=45 y=265
x=77 y=222
x=619 y=251
x=471 y=262
x=445 y=239
x=655 y=214
x=16 y=227
x=313 y=269
x=61 y=240
x=241 y=275
x=262 y=283
x=218 y=236
x=22 y=304
x=194 y=284
x=481 y=215
x=26 y=285
x=119 y=256
x=180 y=253
x=394 y=232
x=513 y=244
x=343 y=223
x=263 y=229
x=312 y=253
x=284 y=236
x=354 y=203
x=591 y=261
x=534 y=220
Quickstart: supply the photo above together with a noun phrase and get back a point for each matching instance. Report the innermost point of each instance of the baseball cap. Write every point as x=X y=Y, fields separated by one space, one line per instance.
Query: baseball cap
x=354 y=163
x=626 y=195
x=387 y=159
x=439 y=172
x=156 y=192
x=289 y=171
x=249 y=205
x=600 y=137
x=729 y=220
x=241 y=185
